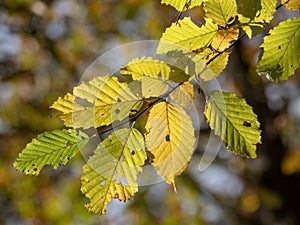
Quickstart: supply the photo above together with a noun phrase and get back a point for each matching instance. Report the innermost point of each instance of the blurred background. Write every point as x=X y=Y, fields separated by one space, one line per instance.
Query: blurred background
x=45 y=47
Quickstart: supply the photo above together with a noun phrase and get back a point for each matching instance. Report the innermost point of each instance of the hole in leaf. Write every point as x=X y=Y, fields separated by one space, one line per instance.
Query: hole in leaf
x=35 y=169
x=279 y=47
x=117 y=111
x=102 y=183
x=68 y=158
x=33 y=164
x=231 y=19
x=168 y=138
x=247 y=124
x=133 y=153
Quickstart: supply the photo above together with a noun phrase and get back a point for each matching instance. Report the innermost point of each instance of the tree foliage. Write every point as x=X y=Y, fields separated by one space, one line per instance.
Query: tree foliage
x=164 y=94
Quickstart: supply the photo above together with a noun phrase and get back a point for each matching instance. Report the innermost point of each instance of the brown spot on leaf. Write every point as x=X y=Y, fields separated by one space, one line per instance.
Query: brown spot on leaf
x=117 y=111
x=247 y=124
x=168 y=138
x=133 y=153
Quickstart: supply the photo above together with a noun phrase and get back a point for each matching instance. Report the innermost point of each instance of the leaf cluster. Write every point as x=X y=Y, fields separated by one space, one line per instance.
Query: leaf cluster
x=164 y=94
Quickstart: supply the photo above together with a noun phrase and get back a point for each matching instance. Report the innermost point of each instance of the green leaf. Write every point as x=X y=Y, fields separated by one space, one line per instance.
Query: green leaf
x=170 y=139
x=233 y=119
x=112 y=171
x=98 y=102
x=186 y=35
x=281 y=51
x=182 y=5
x=50 y=148
x=254 y=14
x=222 y=12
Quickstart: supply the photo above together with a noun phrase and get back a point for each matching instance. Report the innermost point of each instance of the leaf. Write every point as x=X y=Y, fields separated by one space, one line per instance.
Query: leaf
x=146 y=66
x=112 y=171
x=186 y=35
x=183 y=95
x=222 y=12
x=254 y=14
x=215 y=67
x=281 y=51
x=224 y=38
x=152 y=87
x=182 y=5
x=149 y=67
x=98 y=102
x=233 y=119
x=291 y=4
x=50 y=148
x=170 y=138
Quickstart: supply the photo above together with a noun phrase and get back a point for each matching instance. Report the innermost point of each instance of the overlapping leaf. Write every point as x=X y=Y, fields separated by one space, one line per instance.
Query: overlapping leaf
x=146 y=66
x=254 y=14
x=281 y=50
x=215 y=67
x=224 y=38
x=291 y=4
x=50 y=148
x=149 y=67
x=170 y=138
x=97 y=103
x=187 y=35
x=182 y=5
x=184 y=94
x=234 y=120
x=222 y=12
x=112 y=171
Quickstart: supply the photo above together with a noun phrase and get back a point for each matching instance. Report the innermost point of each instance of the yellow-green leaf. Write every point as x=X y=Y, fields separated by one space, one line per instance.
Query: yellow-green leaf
x=281 y=51
x=152 y=87
x=98 y=102
x=215 y=67
x=50 y=148
x=182 y=5
x=222 y=12
x=112 y=171
x=234 y=120
x=186 y=35
x=184 y=94
x=146 y=66
x=170 y=138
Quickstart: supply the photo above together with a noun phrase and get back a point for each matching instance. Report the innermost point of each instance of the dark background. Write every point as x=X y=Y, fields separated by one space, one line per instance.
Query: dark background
x=45 y=47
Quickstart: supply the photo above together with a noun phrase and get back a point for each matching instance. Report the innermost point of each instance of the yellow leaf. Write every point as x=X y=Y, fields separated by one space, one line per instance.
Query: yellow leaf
x=292 y=4
x=224 y=37
x=170 y=139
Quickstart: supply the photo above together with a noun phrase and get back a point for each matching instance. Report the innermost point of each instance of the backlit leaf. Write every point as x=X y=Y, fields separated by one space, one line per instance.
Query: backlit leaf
x=182 y=5
x=98 y=102
x=216 y=66
x=112 y=171
x=170 y=139
x=184 y=94
x=291 y=4
x=254 y=14
x=224 y=38
x=280 y=54
x=50 y=148
x=233 y=119
x=222 y=12
x=187 y=35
